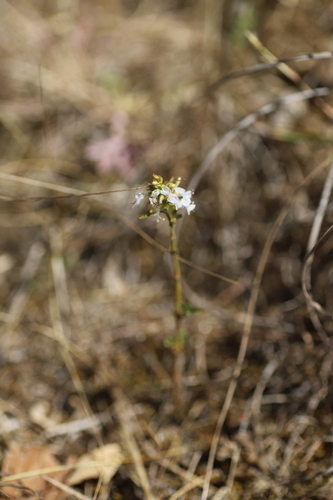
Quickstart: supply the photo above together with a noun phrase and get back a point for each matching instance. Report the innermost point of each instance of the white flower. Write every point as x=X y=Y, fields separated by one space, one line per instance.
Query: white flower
x=138 y=198
x=189 y=208
x=154 y=196
x=174 y=199
x=165 y=197
x=180 y=191
x=165 y=190
x=158 y=215
x=184 y=199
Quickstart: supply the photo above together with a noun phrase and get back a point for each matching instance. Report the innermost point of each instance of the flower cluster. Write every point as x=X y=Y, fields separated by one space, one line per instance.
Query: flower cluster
x=166 y=198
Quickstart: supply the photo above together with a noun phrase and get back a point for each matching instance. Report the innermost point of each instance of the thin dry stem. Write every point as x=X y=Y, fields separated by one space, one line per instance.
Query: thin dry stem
x=245 y=123
x=313 y=244
x=125 y=419
x=247 y=330
x=67 y=489
x=265 y=66
x=59 y=278
x=28 y=273
x=290 y=73
x=99 y=197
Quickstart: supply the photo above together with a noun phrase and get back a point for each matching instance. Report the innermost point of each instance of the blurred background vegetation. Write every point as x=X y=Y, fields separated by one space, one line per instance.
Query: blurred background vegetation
x=97 y=96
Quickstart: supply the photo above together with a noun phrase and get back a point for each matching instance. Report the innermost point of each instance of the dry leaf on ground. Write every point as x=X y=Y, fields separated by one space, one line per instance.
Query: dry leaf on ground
x=21 y=459
x=110 y=453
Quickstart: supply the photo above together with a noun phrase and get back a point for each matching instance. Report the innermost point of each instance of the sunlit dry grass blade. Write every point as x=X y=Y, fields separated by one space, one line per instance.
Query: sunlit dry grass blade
x=247 y=328
x=76 y=426
x=265 y=66
x=256 y=402
x=245 y=123
x=290 y=73
x=59 y=311
x=67 y=343
x=235 y=318
x=189 y=486
x=125 y=419
x=17 y=133
x=21 y=296
x=313 y=244
x=113 y=212
x=65 y=71
x=65 y=488
x=51 y=470
x=306 y=269
x=233 y=468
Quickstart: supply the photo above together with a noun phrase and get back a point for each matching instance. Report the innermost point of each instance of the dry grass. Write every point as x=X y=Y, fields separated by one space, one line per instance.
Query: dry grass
x=94 y=98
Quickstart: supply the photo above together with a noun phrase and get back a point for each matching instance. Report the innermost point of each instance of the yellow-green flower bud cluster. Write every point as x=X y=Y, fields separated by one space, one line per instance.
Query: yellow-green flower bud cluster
x=166 y=198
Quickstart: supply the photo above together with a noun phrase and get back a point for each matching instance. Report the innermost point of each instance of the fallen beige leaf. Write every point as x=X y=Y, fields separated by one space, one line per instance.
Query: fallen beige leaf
x=21 y=459
x=110 y=453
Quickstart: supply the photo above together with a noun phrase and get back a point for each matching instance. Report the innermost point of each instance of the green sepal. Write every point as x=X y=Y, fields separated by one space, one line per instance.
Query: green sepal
x=148 y=214
x=189 y=309
x=174 y=343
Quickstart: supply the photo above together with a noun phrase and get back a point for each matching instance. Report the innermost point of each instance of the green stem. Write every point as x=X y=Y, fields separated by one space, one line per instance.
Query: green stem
x=179 y=313
x=177 y=274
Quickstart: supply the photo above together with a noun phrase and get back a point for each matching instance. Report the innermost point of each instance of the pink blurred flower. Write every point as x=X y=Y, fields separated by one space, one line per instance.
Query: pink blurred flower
x=114 y=152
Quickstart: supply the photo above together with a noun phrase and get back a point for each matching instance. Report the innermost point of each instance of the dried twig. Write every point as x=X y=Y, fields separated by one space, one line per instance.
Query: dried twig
x=247 y=329
x=67 y=489
x=125 y=418
x=100 y=197
x=28 y=273
x=59 y=309
x=245 y=123
x=313 y=244
x=287 y=71
x=316 y=56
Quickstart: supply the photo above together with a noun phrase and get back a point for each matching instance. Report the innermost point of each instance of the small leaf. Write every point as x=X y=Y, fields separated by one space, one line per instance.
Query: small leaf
x=174 y=343
x=189 y=309
x=170 y=342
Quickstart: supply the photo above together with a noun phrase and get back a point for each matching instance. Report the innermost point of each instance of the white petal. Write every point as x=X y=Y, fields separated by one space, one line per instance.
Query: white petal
x=186 y=200
x=165 y=190
x=179 y=191
x=173 y=198
x=153 y=198
x=138 y=198
x=189 y=208
x=155 y=193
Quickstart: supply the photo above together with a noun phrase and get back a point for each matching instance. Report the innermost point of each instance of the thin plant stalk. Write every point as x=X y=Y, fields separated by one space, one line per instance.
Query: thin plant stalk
x=167 y=198
x=178 y=345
